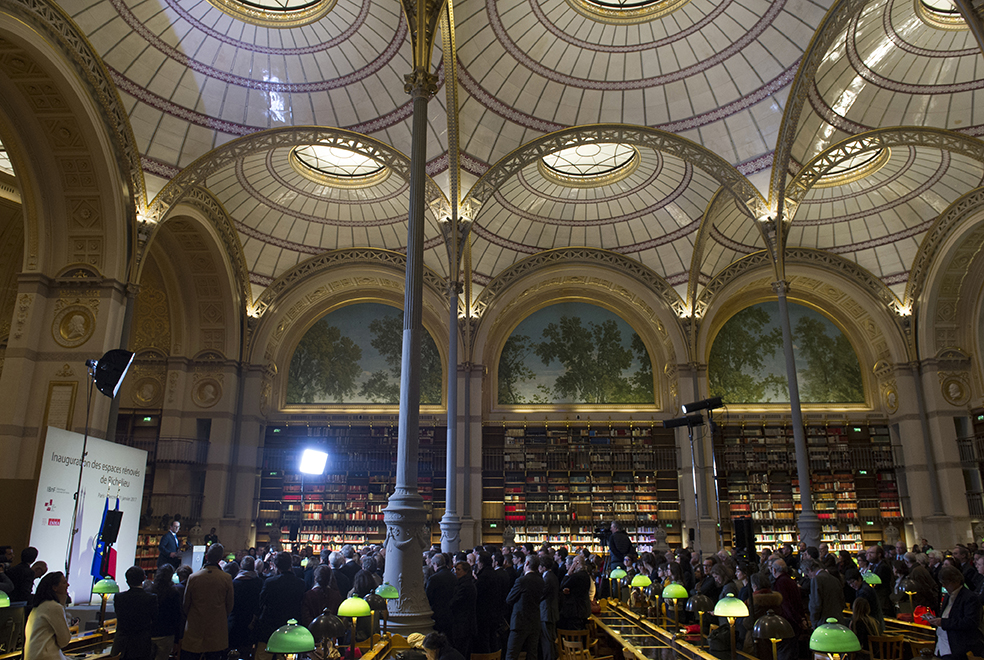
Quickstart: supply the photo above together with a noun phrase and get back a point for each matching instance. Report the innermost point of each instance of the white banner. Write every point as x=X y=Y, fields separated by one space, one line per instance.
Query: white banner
x=110 y=472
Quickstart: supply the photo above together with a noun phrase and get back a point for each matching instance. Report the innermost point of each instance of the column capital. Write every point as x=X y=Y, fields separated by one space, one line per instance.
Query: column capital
x=420 y=83
x=781 y=287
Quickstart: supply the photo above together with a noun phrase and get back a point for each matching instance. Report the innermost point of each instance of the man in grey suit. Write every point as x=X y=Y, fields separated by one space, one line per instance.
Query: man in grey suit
x=826 y=592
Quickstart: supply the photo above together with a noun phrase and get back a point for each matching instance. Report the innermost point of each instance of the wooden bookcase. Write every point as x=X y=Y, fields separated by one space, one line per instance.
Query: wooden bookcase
x=345 y=504
x=558 y=483
x=852 y=474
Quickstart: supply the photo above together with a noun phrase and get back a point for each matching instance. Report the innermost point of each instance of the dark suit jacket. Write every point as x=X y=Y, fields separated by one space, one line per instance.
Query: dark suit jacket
x=168 y=544
x=22 y=575
x=343 y=581
x=349 y=569
x=575 y=606
x=962 y=625
x=245 y=606
x=136 y=616
x=826 y=598
x=884 y=590
x=280 y=600
x=524 y=598
x=550 y=605
x=440 y=590
x=463 y=621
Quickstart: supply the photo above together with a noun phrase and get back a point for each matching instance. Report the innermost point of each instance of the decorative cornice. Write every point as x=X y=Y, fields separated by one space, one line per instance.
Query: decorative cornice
x=587 y=256
x=338 y=258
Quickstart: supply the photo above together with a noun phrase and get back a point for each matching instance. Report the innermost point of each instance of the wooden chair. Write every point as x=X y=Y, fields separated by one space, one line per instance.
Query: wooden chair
x=885 y=647
x=578 y=645
x=497 y=655
x=919 y=646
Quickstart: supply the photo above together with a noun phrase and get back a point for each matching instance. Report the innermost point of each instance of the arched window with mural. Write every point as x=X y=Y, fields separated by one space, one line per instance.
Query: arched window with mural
x=746 y=364
x=352 y=355
x=574 y=353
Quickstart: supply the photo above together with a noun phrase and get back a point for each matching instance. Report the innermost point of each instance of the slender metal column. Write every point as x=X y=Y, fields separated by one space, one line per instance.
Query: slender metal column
x=451 y=523
x=808 y=522
x=114 y=405
x=407 y=529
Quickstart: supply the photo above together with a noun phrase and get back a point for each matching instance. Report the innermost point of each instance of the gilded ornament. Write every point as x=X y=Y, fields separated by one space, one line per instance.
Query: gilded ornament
x=73 y=326
x=206 y=392
x=147 y=391
x=955 y=391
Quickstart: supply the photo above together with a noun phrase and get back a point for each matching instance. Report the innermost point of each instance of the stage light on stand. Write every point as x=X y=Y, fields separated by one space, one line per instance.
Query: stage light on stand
x=713 y=403
x=313 y=461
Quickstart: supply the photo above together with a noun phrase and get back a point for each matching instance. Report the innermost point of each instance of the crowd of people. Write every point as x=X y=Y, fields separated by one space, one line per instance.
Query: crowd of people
x=514 y=598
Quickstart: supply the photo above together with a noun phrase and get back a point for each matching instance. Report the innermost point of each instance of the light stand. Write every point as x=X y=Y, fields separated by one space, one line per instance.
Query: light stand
x=106 y=374
x=690 y=421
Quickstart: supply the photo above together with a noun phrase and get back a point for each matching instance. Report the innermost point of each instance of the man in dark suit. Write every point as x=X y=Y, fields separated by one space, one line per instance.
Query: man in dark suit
x=463 y=617
x=549 y=609
x=280 y=599
x=524 y=624
x=826 y=592
x=489 y=600
x=23 y=577
x=344 y=582
x=880 y=567
x=958 y=628
x=169 y=547
x=351 y=566
x=440 y=590
x=136 y=615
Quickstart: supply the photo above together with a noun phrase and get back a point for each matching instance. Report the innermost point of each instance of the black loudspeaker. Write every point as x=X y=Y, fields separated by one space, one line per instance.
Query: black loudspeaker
x=111 y=530
x=691 y=534
x=744 y=538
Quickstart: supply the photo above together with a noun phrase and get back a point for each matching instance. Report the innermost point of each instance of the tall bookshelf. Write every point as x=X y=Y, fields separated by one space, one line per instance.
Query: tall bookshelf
x=345 y=504
x=558 y=483
x=852 y=475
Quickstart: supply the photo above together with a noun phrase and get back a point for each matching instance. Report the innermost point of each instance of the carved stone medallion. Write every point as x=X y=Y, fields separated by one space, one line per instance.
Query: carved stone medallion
x=206 y=393
x=147 y=392
x=73 y=326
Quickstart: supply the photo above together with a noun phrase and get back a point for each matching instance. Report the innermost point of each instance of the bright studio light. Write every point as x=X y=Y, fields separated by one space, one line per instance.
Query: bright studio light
x=313 y=461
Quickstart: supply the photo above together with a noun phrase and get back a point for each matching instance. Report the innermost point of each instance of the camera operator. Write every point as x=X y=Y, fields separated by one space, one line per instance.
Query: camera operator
x=619 y=546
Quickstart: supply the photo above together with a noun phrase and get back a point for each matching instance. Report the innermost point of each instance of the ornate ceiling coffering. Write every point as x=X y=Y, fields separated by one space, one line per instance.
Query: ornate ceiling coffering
x=652 y=130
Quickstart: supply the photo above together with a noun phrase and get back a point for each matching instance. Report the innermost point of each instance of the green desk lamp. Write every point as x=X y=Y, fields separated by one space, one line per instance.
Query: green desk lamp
x=640 y=582
x=673 y=592
x=773 y=628
x=872 y=579
x=700 y=603
x=4 y=599
x=353 y=608
x=389 y=592
x=290 y=640
x=731 y=608
x=104 y=587
x=613 y=577
x=834 y=640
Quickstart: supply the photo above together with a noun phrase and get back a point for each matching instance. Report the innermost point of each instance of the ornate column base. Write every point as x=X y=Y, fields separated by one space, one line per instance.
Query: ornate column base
x=450 y=533
x=407 y=536
x=809 y=528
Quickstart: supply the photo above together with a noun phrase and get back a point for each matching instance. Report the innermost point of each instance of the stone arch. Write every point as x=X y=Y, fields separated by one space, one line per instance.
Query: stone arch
x=321 y=285
x=875 y=333
x=69 y=142
x=567 y=280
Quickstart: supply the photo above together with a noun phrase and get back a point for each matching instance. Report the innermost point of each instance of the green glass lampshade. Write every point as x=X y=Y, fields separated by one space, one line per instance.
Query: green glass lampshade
x=730 y=607
x=291 y=638
x=4 y=600
x=675 y=590
x=387 y=591
x=871 y=578
x=106 y=586
x=617 y=574
x=232 y=557
x=353 y=607
x=772 y=626
x=832 y=637
x=641 y=580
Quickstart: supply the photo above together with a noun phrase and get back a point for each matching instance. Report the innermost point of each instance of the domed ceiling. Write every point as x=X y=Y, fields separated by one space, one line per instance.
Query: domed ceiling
x=711 y=82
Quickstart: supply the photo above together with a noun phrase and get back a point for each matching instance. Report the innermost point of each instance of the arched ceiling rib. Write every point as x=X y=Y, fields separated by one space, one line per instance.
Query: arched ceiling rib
x=888 y=67
x=193 y=77
x=712 y=71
